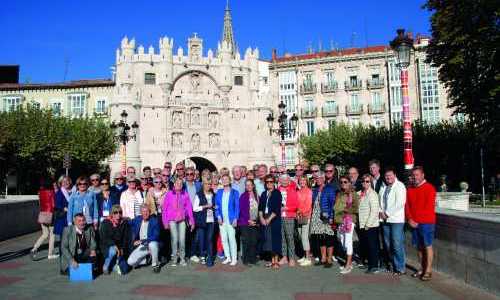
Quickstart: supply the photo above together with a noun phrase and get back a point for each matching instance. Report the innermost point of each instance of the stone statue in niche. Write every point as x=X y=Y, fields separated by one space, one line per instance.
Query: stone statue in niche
x=177 y=140
x=177 y=119
x=214 y=140
x=195 y=142
x=213 y=120
x=195 y=117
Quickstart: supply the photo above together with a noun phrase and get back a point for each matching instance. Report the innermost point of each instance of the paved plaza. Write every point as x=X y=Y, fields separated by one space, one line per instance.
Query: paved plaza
x=21 y=278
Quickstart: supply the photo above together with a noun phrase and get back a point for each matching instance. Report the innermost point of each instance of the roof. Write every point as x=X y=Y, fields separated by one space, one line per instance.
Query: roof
x=57 y=85
x=334 y=53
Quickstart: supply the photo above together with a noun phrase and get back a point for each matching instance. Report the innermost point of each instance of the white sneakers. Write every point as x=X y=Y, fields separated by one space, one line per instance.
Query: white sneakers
x=234 y=262
x=226 y=261
x=306 y=262
x=53 y=256
x=231 y=262
x=346 y=270
x=195 y=259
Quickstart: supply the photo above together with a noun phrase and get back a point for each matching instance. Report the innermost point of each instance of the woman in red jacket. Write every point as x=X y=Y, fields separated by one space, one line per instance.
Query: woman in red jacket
x=46 y=196
x=289 y=207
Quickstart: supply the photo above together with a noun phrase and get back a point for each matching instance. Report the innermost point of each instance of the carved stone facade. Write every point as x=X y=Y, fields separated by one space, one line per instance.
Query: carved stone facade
x=211 y=105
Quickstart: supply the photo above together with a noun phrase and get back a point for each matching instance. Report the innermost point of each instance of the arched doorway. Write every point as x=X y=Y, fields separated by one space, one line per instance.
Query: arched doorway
x=201 y=163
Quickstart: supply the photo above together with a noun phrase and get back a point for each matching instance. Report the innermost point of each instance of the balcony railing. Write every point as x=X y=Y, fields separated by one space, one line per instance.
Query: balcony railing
x=308 y=89
x=375 y=83
x=329 y=111
x=308 y=113
x=101 y=112
x=353 y=85
x=354 y=109
x=329 y=87
x=376 y=108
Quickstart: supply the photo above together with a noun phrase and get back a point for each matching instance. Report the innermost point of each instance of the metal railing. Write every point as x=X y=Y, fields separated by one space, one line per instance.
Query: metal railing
x=354 y=110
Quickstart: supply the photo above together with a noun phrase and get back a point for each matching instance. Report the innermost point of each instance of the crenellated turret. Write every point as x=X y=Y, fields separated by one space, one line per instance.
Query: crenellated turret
x=128 y=47
x=166 y=69
x=225 y=57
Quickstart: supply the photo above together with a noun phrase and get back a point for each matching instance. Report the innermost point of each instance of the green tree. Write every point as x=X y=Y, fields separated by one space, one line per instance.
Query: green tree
x=33 y=143
x=464 y=46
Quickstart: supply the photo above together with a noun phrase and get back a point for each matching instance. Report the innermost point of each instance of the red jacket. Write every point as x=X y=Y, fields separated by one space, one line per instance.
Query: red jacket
x=289 y=209
x=46 y=200
x=421 y=204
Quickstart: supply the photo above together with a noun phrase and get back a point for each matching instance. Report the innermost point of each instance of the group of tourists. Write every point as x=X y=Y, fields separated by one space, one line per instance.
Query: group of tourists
x=257 y=216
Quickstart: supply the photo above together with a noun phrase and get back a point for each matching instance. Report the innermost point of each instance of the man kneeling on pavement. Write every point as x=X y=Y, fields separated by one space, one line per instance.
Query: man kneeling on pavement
x=78 y=244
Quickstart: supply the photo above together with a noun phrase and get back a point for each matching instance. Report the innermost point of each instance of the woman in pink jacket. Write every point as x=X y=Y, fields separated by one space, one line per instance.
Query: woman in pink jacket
x=304 y=195
x=176 y=210
x=289 y=207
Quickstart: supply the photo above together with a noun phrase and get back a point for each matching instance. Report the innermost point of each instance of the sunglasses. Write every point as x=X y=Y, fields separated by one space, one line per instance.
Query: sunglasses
x=94 y=180
x=119 y=178
x=328 y=171
x=156 y=173
x=315 y=171
x=299 y=169
x=366 y=181
x=269 y=181
x=344 y=181
x=189 y=174
x=180 y=169
x=118 y=213
x=104 y=183
x=167 y=167
x=156 y=181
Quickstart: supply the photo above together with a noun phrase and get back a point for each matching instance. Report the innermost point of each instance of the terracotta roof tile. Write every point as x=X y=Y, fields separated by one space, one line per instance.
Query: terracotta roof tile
x=343 y=52
x=57 y=85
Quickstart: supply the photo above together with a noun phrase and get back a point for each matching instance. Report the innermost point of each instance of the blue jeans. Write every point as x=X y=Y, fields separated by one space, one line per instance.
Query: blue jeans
x=394 y=242
x=110 y=257
x=204 y=237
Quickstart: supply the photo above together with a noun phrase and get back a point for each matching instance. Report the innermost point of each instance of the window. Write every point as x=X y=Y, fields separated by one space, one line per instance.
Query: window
x=100 y=106
x=330 y=79
x=290 y=103
x=310 y=127
x=308 y=80
x=378 y=121
x=11 y=103
x=331 y=123
x=264 y=80
x=238 y=80
x=36 y=105
x=149 y=78
x=331 y=105
x=77 y=104
x=376 y=101
x=290 y=155
x=394 y=72
x=354 y=121
x=309 y=104
x=396 y=104
x=429 y=93
x=56 y=108
x=353 y=80
x=354 y=100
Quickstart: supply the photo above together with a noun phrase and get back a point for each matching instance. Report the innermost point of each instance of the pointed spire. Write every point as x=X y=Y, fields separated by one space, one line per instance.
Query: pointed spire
x=227 y=31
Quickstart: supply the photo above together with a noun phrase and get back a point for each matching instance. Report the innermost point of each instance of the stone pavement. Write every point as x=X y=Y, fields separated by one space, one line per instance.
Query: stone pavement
x=21 y=278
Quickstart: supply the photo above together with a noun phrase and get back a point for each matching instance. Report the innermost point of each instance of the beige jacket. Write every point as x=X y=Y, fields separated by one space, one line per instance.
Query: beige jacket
x=369 y=207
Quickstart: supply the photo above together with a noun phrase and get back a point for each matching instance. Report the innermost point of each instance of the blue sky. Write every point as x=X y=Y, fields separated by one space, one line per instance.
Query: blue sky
x=41 y=35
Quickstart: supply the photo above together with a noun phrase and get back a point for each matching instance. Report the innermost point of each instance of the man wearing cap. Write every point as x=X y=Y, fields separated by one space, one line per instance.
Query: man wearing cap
x=131 y=199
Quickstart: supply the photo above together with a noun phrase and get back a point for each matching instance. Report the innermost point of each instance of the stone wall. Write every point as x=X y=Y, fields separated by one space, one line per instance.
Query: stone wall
x=18 y=216
x=467 y=247
x=453 y=200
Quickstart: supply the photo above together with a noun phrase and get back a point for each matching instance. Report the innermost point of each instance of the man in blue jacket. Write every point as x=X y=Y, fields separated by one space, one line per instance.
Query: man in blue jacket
x=146 y=236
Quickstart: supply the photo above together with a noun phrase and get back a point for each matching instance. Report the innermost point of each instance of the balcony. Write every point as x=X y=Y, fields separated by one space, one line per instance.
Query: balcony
x=376 y=108
x=353 y=85
x=351 y=110
x=329 y=111
x=377 y=83
x=101 y=112
x=306 y=89
x=308 y=113
x=329 y=87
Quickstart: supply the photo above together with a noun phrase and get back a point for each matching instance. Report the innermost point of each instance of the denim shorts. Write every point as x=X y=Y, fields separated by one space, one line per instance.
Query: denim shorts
x=423 y=235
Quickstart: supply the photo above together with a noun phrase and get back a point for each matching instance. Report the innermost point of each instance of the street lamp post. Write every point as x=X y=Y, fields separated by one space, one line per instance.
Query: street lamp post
x=123 y=135
x=403 y=45
x=282 y=129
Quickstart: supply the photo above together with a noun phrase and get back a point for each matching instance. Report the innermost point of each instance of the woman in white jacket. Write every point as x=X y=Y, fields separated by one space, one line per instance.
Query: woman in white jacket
x=368 y=223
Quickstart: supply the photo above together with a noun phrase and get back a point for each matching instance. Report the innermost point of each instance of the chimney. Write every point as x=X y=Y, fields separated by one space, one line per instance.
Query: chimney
x=274 y=55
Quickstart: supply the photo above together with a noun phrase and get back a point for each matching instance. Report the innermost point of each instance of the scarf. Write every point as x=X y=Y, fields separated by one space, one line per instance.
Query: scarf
x=346 y=226
x=66 y=193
